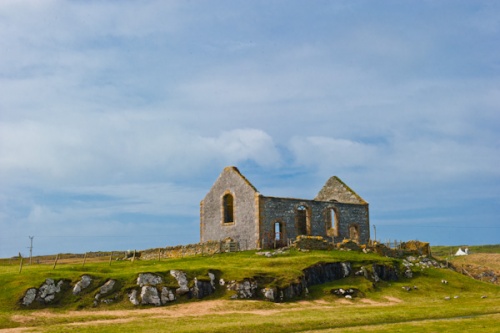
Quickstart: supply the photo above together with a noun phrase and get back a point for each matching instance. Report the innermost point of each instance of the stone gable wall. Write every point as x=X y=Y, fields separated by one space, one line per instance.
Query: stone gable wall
x=335 y=189
x=243 y=229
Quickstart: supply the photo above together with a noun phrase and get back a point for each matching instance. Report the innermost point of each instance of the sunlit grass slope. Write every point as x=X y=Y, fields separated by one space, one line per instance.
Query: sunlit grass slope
x=385 y=306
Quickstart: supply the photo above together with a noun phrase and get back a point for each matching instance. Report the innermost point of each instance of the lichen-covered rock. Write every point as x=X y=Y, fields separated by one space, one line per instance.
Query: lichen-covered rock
x=47 y=292
x=29 y=297
x=47 y=289
x=212 y=279
x=245 y=289
x=149 y=296
x=167 y=295
x=269 y=294
x=107 y=287
x=148 y=279
x=132 y=296
x=84 y=282
x=181 y=278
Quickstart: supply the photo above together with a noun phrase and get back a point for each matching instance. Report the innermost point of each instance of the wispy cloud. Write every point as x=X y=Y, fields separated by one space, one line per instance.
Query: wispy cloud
x=119 y=116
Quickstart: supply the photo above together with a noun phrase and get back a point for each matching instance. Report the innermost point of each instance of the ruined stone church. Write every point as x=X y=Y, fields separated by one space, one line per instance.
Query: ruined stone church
x=234 y=208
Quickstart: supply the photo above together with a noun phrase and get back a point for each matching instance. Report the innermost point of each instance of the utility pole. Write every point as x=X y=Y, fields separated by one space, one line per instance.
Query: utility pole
x=31 y=248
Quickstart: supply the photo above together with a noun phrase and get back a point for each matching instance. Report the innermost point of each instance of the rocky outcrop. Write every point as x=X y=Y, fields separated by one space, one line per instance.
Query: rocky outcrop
x=48 y=290
x=202 y=289
x=104 y=291
x=182 y=280
x=148 y=279
x=314 y=275
x=151 y=293
x=150 y=296
x=244 y=289
x=132 y=296
x=29 y=296
x=384 y=272
x=151 y=288
x=46 y=294
x=84 y=282
x=326 y=272
x=167 y=295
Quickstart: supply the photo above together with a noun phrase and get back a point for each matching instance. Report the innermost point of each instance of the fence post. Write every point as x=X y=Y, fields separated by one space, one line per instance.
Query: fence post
x=84 y=259
x=21 y=266
x=55 y=262
x=110 y=257
x=133 y=257
x=159 y=254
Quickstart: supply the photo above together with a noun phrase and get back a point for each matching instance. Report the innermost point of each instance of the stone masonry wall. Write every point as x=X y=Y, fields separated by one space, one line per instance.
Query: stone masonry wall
x=284 y=210
x=180 y=251
x=244 y=228
x=353 y=214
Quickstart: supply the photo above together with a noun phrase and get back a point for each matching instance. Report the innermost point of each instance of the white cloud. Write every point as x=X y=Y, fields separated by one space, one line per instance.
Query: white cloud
x=124 y=100
x=332 y=153
x=244 y=144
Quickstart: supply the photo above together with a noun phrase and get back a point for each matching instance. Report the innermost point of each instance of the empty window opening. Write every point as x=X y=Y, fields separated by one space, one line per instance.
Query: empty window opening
x=228 y=207
x=278 y=232
x=302 y=221
x=354 y=233
x=332 y=221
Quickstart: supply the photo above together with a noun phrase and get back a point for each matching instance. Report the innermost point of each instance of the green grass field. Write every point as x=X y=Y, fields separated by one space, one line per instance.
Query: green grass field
x=384 y=307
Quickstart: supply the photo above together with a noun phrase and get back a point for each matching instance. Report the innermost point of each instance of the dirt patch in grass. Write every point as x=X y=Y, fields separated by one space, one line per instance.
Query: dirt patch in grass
x=393 y=299
x=193 y=309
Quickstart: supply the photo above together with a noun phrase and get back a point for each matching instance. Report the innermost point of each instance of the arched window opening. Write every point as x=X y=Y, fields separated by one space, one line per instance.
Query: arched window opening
x=332 y=222
x=303 y=227
x=228 y=207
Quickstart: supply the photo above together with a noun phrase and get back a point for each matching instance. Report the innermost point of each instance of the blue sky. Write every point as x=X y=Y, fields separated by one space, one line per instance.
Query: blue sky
x=116 y=117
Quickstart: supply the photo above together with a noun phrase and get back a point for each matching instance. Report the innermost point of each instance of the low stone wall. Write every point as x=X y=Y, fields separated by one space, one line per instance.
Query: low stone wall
x=311 y=243
x=180 y=251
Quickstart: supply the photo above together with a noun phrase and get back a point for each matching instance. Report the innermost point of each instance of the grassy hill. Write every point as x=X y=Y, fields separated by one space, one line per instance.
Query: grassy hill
x=384 y=305
x=444 y=251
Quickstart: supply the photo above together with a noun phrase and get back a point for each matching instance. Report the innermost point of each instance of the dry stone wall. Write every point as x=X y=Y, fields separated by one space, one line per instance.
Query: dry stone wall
x=180 y=251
